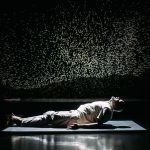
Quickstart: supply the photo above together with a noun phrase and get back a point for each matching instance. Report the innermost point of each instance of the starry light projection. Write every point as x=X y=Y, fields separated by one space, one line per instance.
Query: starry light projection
x=63 y=45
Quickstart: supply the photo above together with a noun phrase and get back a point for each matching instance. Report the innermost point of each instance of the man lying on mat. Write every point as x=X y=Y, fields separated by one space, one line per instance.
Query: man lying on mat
x=89 y=115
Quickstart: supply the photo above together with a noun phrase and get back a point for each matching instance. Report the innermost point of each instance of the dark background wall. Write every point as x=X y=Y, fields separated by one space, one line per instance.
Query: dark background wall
x=75 y=49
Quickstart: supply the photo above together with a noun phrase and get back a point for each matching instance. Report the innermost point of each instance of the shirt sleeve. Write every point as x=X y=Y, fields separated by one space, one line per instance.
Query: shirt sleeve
x=104 y=115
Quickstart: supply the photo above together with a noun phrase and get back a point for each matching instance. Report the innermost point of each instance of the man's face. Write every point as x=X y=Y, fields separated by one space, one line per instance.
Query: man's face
x=116 y=101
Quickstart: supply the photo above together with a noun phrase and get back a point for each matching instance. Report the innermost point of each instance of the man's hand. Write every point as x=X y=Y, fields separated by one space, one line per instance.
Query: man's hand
x=74 y=126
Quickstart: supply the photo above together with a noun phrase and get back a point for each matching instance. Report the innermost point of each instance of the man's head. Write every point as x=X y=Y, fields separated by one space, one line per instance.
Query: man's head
x=117 y=104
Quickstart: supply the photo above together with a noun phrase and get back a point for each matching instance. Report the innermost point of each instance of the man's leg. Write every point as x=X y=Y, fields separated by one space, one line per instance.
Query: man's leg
x=34 y=121
x=55 y=118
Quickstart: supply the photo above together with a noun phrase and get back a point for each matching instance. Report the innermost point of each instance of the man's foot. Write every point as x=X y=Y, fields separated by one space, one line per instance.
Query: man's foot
x=13 y=119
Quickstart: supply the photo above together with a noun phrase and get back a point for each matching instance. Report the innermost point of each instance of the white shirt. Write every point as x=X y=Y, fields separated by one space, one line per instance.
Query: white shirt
x=98 y=111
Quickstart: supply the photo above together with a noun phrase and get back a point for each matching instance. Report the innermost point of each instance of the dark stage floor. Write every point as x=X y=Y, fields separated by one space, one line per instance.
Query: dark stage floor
x=100 y=141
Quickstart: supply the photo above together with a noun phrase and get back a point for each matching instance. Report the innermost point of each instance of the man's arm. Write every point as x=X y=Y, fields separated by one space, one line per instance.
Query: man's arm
x=85 y=126
x=104 y=116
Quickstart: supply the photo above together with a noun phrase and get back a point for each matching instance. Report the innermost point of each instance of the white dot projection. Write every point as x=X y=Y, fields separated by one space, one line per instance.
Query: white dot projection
x=63 y=44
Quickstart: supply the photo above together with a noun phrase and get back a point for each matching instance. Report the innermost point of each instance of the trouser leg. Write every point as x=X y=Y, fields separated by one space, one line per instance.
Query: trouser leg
x=65 y=118
x=40 y=120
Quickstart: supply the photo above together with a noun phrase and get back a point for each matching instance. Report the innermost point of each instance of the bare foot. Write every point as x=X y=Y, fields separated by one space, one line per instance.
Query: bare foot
x=14 y=119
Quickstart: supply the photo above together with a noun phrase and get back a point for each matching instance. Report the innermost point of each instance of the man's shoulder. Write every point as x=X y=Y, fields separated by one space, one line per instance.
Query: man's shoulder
x=102 y=103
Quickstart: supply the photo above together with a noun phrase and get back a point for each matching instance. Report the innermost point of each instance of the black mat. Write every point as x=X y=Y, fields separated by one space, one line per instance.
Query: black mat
x=110 y=126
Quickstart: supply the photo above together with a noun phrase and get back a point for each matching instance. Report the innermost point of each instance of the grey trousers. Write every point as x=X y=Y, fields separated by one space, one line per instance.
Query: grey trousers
x=55 y=118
